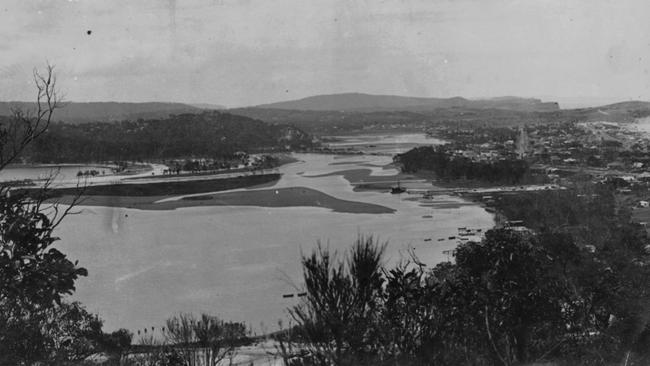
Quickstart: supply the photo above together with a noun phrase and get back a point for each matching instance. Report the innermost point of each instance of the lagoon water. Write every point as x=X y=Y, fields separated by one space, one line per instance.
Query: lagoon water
x=57 y=172
x=384 y=143
x=237 y=261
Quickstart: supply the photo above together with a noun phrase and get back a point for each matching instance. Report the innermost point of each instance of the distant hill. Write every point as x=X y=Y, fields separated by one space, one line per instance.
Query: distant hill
x=629 y=105
x=357 y=102
x=339 y=113
x=336 y=122
x=208 y=106
x=207 y=134
x=328 y=114
x=618 y=112
x=74 y=112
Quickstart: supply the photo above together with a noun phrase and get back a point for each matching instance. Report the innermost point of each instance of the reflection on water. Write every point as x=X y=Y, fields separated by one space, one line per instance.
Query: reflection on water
x=237 y=261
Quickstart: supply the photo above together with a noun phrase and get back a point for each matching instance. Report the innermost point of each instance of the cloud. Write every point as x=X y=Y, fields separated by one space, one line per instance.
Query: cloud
x=246 y=52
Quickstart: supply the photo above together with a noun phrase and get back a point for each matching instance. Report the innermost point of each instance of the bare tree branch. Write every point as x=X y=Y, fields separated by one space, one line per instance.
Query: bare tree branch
x=24 y=126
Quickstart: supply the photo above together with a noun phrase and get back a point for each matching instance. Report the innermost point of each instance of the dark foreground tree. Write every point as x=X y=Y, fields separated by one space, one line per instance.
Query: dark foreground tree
x=339 y=316
x=515 y=298
x=207 y=340
x=505 y=285
x=55 y=334
x=34 y=276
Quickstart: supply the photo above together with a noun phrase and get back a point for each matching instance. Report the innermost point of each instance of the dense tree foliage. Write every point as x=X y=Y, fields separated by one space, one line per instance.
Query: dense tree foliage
x=504 y=287
x=188 y=340
x=340 y=314
x=32 y=271
x=445 y=165
x=588 y=212
x=206 y=339
x=35 y=325
x=52 y=334
x=209 y=134
x=514 y=298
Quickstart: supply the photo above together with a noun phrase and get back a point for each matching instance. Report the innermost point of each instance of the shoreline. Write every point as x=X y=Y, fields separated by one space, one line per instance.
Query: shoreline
x=259 y=194
x=266 y=198
x=62 y=165
x=252 y=190
x=286 y=197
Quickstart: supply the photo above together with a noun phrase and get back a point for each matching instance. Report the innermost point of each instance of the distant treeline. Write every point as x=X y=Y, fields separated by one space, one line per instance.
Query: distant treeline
x=445 y=165
x=336 y=121
x=333 y=122
x=209 y=134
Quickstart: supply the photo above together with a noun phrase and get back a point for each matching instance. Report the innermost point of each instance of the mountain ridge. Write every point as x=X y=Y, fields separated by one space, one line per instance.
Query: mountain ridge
x=346 y=104
x=361 y=102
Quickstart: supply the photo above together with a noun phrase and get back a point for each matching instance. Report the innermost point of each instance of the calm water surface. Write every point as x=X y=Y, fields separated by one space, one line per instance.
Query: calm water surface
x=61 y=172
x=237 y=261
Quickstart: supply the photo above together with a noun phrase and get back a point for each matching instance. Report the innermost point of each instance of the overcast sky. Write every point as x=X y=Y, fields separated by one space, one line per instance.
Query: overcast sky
x=243 y=52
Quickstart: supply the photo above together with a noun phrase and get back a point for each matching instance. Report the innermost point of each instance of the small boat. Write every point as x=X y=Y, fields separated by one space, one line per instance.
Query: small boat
x=302 y=294
x=441 y=239
x=427 y=239
x=398 y=189
x=287 y=295
x=427 y=217
x=452 y=237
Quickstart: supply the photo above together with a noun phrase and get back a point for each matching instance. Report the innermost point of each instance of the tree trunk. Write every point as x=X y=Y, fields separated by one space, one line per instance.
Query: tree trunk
x=506 y=360
x=521 y=344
